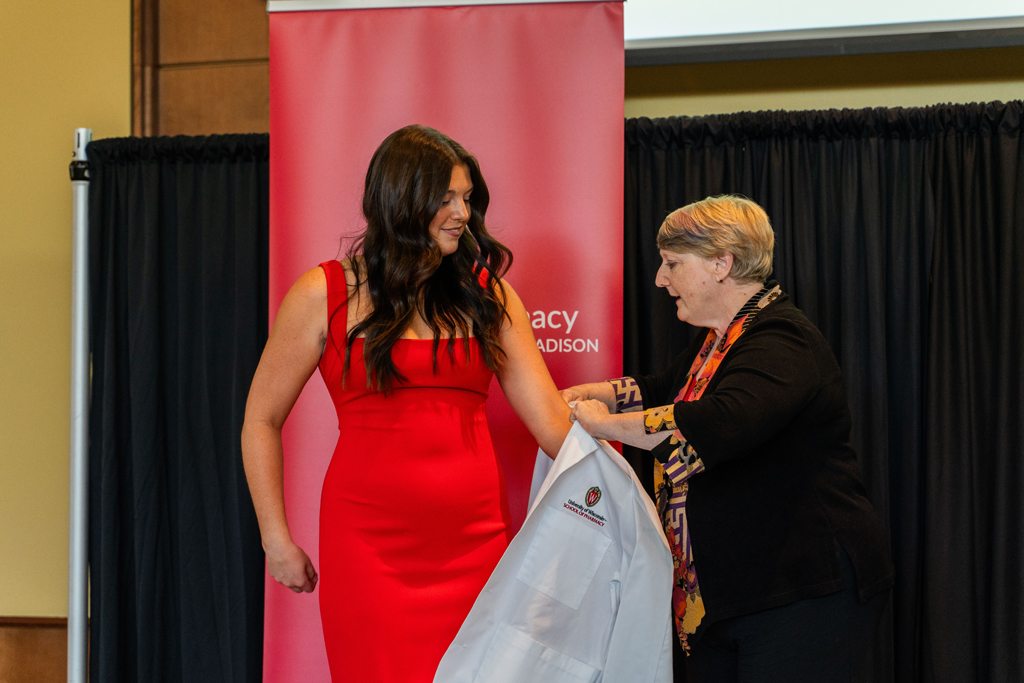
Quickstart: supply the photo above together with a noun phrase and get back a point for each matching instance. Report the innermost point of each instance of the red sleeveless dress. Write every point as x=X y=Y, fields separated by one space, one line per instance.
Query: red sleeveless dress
x=413 y=515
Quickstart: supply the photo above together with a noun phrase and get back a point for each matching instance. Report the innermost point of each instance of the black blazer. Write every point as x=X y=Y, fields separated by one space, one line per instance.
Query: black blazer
x=781 y=484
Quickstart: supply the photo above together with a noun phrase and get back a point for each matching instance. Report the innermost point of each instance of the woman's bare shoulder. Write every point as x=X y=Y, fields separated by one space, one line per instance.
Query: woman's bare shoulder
x=303 y=312
x=507 y=294
x=311 y=285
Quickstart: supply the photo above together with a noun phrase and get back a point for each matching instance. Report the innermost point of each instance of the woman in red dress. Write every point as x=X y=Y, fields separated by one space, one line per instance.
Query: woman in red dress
x=407 y=333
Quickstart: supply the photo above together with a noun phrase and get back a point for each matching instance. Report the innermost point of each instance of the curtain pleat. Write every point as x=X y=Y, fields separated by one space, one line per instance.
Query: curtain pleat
x=972 y=617
x=178 y=263
x=899 y=232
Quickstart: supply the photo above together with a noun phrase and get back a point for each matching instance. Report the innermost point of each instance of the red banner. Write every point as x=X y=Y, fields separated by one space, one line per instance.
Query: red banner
x=535 y=92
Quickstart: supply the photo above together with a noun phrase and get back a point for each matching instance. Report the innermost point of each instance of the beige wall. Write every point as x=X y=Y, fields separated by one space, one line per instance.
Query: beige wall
x=63 y=64
x=898 y=80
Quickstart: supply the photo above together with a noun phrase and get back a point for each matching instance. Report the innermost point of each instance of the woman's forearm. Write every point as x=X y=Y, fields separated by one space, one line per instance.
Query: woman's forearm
x=627 y=428
x=263 y=461
x=262 y=457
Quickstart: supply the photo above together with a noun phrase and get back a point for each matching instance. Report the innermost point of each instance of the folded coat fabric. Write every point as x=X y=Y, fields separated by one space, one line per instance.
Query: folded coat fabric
x=583 y=594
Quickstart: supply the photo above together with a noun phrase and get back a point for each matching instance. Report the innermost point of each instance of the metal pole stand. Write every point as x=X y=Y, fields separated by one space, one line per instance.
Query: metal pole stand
x=78 y=528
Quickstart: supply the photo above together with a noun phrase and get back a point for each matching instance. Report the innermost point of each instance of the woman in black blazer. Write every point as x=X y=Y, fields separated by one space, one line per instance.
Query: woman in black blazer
x=782 y=568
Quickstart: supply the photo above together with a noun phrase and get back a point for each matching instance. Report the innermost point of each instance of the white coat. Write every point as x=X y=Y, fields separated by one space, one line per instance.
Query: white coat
x=584 y=591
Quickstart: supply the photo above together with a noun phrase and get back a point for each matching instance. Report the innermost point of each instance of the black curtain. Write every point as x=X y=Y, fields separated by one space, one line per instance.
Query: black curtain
x=900 y=233
x=178 y=263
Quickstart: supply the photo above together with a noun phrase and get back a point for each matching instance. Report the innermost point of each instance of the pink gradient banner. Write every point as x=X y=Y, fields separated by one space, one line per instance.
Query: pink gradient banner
x=535 y=92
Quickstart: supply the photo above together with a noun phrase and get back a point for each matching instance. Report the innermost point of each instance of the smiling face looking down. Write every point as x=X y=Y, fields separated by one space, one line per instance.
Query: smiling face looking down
x=449 y=222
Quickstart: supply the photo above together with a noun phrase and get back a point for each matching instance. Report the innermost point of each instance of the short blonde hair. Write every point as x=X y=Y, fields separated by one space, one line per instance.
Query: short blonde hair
x=727 y=224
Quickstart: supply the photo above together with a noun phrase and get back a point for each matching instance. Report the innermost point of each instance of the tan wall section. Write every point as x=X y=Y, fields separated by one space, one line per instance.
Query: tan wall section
x=63 y=64
x=897 y=80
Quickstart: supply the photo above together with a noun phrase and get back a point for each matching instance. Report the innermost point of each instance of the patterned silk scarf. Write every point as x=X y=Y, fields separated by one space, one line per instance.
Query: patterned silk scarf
x=671 y=478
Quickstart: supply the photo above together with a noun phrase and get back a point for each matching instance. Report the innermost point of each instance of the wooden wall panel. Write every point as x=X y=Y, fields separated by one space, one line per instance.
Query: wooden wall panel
x=144 y=42
x=201 y=31
x=200 y=67
x=225 y=98
x=33 y=650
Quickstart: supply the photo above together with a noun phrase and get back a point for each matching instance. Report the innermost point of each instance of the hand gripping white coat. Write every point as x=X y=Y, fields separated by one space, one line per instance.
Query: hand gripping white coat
x=584 y=591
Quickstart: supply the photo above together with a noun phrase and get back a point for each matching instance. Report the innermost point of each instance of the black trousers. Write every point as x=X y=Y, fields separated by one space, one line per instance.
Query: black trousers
x=833 y=639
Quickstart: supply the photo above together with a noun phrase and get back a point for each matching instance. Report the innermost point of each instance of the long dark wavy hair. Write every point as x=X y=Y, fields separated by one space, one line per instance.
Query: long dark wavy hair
x=456 y=295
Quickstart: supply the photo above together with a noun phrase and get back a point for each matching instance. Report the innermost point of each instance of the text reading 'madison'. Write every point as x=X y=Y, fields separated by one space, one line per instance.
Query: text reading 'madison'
x=561 y=322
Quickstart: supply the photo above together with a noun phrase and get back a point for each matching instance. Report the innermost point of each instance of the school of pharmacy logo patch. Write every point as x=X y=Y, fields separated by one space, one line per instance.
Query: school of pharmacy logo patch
x=586 y=508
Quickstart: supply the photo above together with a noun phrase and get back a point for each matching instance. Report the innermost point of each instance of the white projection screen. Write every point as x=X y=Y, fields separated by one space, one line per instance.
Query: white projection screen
x=681 y=31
